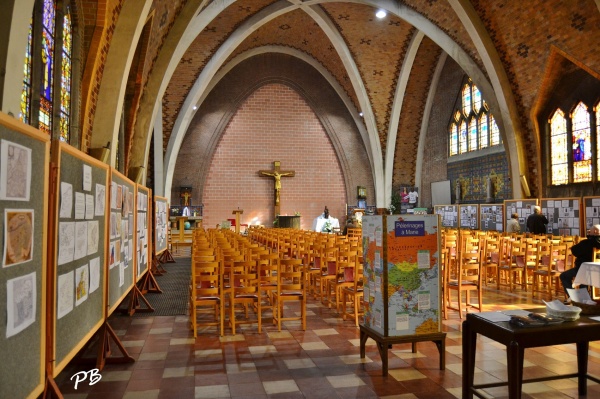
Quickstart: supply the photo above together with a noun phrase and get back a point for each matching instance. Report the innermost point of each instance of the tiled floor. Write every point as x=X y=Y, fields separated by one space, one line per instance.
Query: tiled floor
x=321 y=362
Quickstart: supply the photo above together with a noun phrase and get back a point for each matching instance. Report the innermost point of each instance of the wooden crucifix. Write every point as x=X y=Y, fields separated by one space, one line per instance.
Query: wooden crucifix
x=276 y=173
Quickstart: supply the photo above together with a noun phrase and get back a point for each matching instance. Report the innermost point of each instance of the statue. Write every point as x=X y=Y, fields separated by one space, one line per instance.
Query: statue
x=277 y=176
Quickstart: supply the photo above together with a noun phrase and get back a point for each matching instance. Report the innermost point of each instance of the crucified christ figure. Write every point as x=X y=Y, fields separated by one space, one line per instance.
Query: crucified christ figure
x=277 y=176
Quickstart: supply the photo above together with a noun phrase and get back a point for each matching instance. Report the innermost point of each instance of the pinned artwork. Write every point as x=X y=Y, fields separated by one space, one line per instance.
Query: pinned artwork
x=15 y=171
x=18 y=236
x=82 y=283
x=21 y=303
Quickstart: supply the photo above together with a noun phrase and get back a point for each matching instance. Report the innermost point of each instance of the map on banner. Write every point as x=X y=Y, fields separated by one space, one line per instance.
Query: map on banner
x=413 y=284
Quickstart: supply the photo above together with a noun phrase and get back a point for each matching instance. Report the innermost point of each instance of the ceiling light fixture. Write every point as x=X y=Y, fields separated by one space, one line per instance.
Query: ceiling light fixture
x=195 y=107
x=381 y=14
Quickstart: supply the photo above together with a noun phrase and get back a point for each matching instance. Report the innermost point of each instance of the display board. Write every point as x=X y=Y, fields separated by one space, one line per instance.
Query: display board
x=468 y=216
x=523 y=208
x=143 y=230
x=401 y=274
x=564 y=215
x=448 y=215
x=591 y=212
x=120 y=246
x=24 y=160
x=161 y=219
x=491 y=217
x=79 y=242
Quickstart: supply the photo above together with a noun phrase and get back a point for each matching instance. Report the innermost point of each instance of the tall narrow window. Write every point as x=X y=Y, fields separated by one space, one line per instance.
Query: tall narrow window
x=466 y=97
x=598 y=135
x=484 y=136
x=453 y=139
x=473 y=134
x=47 y=76
x=559 y=150
x=26 y=92
x=65 y=78
x=463 y=137
x=477 y=127
x=582 y=145
x=494 y=132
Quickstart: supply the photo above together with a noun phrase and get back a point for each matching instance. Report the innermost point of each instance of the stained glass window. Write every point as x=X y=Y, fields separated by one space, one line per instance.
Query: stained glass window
x=453 y=139
x=598 y=134
x=462 y=144
x=466 y=99
x=477 y=128
x=473 y=134
x=494 y=132
x=484 y=137
x=47 y=76
x=582 y=145
x=477 y=100
x=26 y=92
x=65 y=79
x=559 y=150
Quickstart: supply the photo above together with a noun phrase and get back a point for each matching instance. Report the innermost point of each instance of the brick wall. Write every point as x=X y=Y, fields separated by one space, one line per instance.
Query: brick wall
x=274 y=123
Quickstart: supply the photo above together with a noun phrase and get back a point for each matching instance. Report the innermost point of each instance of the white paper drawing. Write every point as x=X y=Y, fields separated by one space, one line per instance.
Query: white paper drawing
x=66 y=242
x=66 y=199
x=80 y=240
x=18 y=236
x=121 y=274
x=113 y=195
x=82 y=282
x=94 y=274
x=100 y=199
x=20 y=303
x=93 y=232
x=87 y=178
x=65 y=294
x=89 y=206
x=15 y=171
x=79 y=205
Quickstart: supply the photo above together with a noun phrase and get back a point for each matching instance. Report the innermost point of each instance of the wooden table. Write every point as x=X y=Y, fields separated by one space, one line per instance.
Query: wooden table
x=385 y=343
x=579 y=332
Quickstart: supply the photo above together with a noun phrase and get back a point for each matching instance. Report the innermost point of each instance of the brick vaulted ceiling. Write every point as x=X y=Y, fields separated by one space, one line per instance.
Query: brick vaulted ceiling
x=377 y=49
x=383 y=67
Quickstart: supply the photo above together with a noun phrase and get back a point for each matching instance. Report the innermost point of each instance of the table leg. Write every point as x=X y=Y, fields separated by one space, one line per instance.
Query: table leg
x=515 y=355
x=441 y=345
x=469 y=341
x=582 y=364
x=383 y=353
x=363 y=342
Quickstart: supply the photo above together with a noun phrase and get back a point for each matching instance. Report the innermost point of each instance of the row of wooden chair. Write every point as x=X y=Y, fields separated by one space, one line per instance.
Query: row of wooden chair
x=473 y=259
x=253 y=276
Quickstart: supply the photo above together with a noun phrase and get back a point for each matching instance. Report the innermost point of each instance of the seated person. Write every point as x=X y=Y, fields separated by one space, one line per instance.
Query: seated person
x=350 y=223
x=325 y=223
x=583 y=252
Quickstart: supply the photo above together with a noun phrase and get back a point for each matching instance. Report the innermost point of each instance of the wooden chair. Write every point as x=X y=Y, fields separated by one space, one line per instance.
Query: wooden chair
x=513 y=269
x=490 y=259
x=346 y=265
x=245 y=292
x=268 y=267
x=354 y=295
x=468 y=278
x=545 y=272
x=290 y=287
x=207 y=296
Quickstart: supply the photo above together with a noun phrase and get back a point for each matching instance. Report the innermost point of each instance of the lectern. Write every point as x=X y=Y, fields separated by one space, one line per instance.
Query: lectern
x=181 y=226
x=237 y=213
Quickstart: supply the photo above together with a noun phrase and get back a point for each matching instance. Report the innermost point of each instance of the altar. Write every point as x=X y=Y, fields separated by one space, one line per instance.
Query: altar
x=292 y=222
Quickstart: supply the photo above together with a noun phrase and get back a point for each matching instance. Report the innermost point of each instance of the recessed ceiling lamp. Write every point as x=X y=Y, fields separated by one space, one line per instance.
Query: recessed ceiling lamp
x=381 y=14
x=195 y=107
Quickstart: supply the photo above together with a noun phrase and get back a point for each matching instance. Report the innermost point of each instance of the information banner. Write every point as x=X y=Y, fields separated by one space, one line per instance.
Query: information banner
x=401 y=274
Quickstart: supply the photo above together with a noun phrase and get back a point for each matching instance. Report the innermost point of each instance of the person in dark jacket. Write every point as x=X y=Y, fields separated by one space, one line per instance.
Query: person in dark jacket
x=583 y=252
x=536 y=222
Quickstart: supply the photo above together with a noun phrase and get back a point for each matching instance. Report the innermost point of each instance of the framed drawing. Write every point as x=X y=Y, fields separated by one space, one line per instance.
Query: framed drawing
x=361 y=192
